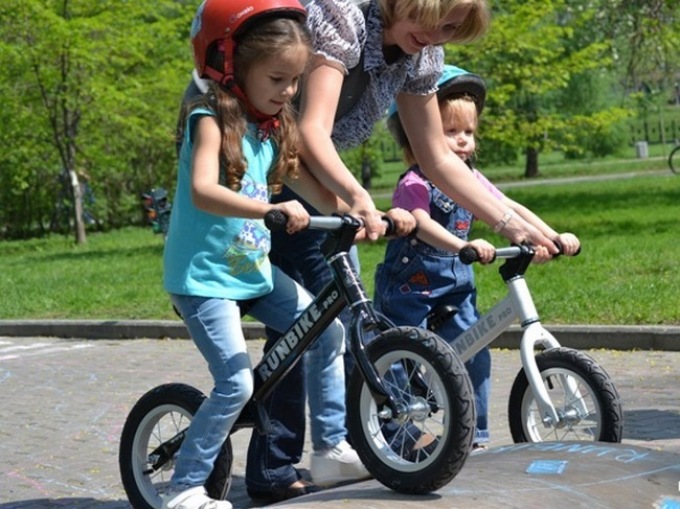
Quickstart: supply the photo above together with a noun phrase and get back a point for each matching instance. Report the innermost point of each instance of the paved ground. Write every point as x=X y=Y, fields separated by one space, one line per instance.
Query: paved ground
x=64 y=403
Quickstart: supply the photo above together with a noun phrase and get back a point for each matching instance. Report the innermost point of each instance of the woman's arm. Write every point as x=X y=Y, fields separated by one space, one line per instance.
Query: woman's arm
x=307 y=186
x=570 y=242
x=319 y=101
x=318 y=196
x=422 y=123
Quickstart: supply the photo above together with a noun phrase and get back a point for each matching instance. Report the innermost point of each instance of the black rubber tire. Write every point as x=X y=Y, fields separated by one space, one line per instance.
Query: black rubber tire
x=602 y=423
x=444 y=380
x=674 y=160
x=142 y=433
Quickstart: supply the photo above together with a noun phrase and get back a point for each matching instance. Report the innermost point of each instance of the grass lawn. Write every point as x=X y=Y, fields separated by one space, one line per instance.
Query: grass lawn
x=627 y=273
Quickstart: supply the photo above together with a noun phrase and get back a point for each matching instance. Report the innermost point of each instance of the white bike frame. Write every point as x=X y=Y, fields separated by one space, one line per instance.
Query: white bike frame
x=519 y=305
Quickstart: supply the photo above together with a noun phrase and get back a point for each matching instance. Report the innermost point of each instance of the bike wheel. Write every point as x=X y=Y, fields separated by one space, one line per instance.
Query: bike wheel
x=425 y=376
x=590 y=413
x=674 y=160
x=150 y=441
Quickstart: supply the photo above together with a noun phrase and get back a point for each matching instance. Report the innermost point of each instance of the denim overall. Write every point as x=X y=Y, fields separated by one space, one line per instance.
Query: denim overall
x=416 y=277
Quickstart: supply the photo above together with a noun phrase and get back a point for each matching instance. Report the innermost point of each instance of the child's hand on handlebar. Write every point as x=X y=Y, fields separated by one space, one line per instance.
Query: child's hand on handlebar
x=485 y=251
x=403 y=220
x=297 y=216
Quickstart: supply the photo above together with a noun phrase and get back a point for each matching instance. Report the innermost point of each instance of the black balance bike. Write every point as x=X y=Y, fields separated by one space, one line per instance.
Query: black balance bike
x=405 y=378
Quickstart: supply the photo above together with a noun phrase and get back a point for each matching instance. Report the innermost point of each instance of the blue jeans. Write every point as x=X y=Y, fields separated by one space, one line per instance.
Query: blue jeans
x=271 y=457
x=399 y=297
x=300 y=258
x=215 y=326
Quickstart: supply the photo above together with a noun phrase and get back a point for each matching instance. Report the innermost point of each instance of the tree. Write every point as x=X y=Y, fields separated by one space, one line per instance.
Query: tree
x=91 y=81
x=531 y=54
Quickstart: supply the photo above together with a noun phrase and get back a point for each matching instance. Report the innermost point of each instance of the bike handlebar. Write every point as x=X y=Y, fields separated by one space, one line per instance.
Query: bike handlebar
x=468 y=255
x=276 y=220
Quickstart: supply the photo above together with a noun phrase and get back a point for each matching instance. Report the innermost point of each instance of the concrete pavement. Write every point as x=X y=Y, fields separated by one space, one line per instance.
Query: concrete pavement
x=632 y=337
x=64 y=402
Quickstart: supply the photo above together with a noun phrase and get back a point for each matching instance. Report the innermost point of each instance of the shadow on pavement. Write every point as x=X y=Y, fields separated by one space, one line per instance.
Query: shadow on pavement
x=651 y=424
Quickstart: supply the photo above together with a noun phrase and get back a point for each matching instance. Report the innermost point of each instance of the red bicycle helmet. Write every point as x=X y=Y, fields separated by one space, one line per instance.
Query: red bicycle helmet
x=218 y=22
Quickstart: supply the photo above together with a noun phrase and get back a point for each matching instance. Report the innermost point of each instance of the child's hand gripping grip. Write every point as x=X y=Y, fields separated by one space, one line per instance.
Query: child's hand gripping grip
x=468 y=255
x=275 y=220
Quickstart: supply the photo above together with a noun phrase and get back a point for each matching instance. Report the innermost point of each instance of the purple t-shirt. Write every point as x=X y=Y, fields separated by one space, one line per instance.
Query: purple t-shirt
x=413 y=191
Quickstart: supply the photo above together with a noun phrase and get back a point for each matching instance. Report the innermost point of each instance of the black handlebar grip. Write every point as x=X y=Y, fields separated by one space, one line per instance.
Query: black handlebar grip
x=390 y=228
x=468 y=255
x=275 y=220
x=559 y=246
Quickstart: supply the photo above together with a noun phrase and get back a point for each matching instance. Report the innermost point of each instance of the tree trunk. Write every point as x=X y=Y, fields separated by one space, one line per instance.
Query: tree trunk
x=531 y=168
x=81 y=237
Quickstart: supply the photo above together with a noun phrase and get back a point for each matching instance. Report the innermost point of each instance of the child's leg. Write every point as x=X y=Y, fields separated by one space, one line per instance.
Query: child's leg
x=215 y=326
x=479 y=370
x=323 y=362
x=479 y=366
x=324 y=373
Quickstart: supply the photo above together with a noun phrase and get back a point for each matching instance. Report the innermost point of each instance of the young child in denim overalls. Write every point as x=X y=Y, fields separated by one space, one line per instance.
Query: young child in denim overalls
x=422 y=272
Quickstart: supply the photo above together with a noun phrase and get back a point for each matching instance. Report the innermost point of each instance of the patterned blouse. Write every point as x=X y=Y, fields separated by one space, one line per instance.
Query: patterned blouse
x=340 y=33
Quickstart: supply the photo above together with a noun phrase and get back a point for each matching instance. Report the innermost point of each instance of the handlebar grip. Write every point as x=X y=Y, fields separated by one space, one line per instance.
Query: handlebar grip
x=468 y=255
x=275 y=220
x=390 y=228
x=560 y=247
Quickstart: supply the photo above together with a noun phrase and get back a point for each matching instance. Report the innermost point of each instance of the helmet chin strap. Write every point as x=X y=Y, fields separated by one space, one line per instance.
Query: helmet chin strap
x=266 y=124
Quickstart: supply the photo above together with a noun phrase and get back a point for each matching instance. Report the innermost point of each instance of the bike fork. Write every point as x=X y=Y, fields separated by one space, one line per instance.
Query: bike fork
x=534 y=334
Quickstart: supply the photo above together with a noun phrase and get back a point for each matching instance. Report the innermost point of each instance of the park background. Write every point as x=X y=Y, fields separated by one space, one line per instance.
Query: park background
x=577 y=88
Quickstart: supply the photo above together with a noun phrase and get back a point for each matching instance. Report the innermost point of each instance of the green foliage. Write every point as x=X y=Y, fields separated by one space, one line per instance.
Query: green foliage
x=94 y=86
x=366 y=160
x=88 y=88
x=541 y=75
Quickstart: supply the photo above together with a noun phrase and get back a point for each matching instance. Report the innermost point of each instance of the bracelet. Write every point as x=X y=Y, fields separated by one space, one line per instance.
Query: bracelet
x=509 y=214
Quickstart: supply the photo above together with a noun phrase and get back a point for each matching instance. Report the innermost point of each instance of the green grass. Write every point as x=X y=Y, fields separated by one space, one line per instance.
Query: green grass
x=627 y=273
x=553 y=165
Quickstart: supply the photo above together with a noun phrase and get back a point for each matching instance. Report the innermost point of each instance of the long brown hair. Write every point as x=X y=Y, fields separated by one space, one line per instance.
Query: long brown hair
x=264 y=40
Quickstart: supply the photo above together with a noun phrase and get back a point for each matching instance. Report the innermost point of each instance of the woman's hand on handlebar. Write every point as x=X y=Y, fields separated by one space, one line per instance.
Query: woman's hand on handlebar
x=297 y=217
x=372 y=218
x=518 y=231
x=566 y=243
x=403 y=221
x=569 y=243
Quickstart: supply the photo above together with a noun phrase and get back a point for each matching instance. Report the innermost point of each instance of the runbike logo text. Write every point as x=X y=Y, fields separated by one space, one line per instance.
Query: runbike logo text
x=285 y=345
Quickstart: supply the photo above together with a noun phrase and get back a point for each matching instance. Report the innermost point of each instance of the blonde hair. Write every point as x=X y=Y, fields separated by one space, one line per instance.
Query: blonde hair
x=266 y=40
x=429 y=14
x=459 y=107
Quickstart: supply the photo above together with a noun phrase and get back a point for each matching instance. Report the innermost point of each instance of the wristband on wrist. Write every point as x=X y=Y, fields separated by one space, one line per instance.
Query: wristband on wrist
x=509 y=214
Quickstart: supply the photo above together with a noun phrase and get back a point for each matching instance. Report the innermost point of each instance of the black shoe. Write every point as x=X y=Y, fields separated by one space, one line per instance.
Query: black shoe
x=281 y=494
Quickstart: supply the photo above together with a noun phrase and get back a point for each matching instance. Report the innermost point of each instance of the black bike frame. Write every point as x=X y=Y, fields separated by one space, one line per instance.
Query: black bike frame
x=346 y=289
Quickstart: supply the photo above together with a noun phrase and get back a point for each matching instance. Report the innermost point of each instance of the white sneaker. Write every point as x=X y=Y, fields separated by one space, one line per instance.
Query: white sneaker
x=337 y=464
x=193 y=498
